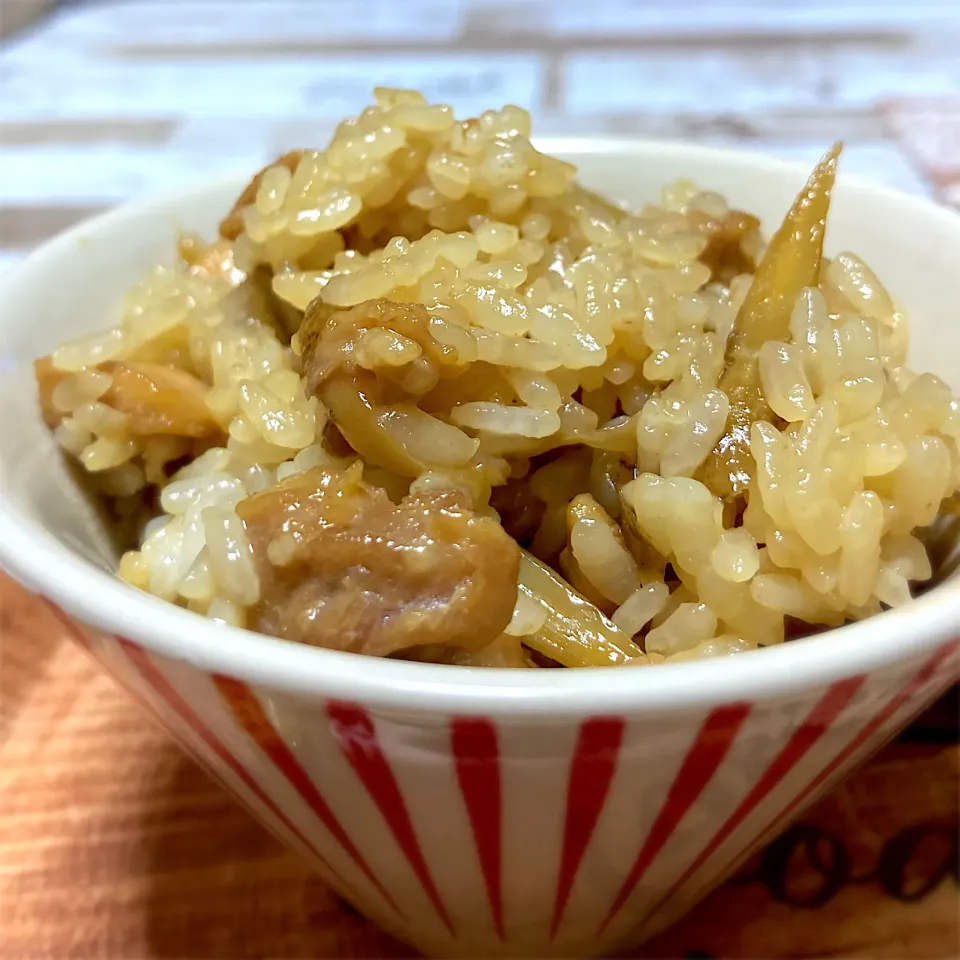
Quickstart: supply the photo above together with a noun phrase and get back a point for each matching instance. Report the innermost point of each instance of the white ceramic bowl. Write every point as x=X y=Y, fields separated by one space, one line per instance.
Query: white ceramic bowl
x=483 y=812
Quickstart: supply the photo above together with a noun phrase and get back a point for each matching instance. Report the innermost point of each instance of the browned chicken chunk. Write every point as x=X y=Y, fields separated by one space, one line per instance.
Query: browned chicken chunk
x=724 y=254
x=361 y=387
x=158 y=399
x=343 y=567
x=330 y=336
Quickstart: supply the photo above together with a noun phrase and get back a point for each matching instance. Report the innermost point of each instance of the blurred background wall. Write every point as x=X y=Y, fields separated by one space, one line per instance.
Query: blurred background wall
x=16 y=14
x=103 y=100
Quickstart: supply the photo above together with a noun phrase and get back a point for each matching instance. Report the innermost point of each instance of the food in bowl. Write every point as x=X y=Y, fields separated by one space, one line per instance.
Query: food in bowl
x=427 y=397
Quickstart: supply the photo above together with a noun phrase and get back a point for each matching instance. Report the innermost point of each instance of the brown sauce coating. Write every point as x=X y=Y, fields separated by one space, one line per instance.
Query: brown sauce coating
x=158 y=399
x=357 y=397
x=343 y=567
x=724 y=253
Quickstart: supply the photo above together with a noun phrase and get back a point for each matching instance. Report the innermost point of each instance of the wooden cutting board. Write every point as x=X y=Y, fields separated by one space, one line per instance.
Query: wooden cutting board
x=115 y=845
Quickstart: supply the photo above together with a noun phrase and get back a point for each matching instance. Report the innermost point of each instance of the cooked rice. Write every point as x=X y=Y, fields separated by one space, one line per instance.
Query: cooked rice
x=600 y=335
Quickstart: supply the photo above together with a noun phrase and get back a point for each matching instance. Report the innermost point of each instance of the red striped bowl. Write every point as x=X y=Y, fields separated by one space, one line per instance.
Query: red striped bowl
x=478 y=812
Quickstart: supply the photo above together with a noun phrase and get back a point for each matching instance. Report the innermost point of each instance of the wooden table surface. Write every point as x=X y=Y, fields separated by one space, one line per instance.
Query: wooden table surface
x=112 y=844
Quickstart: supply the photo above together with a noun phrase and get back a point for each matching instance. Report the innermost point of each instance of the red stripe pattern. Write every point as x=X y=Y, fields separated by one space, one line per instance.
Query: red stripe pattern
x=811 y=730
x=591 y=771
x=357 y=736
x=712 y=744
x=475 y=751
x=159 y=683
x=249 y=713
x=476 y=757
x=906 y=694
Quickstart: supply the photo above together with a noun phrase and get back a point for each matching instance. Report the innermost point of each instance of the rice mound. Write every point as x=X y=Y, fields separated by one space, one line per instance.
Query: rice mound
x=598 y=339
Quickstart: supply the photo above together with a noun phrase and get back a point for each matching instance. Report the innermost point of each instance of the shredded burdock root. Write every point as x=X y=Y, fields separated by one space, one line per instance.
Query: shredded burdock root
x=343 y=567
x=790 y=263
x=571 y=631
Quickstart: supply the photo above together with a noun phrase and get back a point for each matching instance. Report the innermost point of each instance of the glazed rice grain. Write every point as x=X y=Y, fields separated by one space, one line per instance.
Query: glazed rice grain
x=572 y=375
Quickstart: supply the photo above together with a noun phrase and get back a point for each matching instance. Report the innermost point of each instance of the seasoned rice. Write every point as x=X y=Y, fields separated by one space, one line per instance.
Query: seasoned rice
x=570 y=376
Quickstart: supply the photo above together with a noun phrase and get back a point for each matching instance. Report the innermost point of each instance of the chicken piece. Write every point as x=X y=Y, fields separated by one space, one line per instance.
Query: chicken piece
x=330 y=339
x=369 y=365
x=157 y=399
x=343 y=567
x=791 y=263
x=723 y=253
x=232 y=225
x=521 y=511
x=160 y=399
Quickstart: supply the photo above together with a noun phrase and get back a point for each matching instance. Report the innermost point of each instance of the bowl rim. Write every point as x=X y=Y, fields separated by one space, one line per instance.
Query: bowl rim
x=45 y=565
